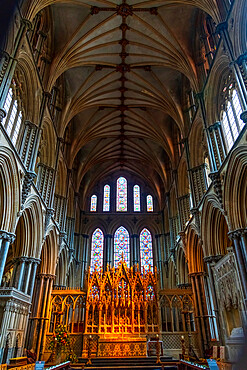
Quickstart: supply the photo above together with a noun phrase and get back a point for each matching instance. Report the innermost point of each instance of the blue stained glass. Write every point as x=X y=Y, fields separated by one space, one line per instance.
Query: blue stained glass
x=93 y=203
x=121 y=246
x=122 y=194
x=106 y=206
x=137 y=206
x=149 y=203
x=97 y=250
x=146 y=250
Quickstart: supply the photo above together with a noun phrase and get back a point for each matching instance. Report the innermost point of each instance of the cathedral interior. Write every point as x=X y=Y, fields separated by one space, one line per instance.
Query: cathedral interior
x=123 y=178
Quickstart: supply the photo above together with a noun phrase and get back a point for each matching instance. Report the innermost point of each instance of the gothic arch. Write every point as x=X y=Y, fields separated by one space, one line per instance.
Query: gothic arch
x=235 y=189
x=214 y=228
x=212 y=96
x=10 y=193
x=239 y=36
x=47 y=148
x=182 y=267
x=172 y=276
x=49 y=252
x=29 y=230
x=183 y=181
x=26 y=75
x=194 y=252
x=197 y=143
x=62 y=267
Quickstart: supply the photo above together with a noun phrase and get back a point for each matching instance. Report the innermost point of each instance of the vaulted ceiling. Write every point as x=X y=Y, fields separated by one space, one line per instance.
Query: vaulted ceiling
x=124 y=65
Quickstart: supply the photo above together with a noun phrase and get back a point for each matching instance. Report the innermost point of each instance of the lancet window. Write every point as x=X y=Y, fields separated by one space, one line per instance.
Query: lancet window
x=93 y=207
x=136 y=194
x=231 y=110
x=106 y=205
x=149 y=203
x=122 y=194
x=12 y=121
x=146 y=250
x=121 y=246
x=97 y=249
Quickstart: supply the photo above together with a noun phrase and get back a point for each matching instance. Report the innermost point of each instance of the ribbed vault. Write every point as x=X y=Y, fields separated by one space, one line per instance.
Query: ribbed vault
x=123 y=65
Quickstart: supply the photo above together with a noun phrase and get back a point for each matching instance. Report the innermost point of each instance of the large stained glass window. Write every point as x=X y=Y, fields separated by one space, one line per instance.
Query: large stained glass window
x=93 y=206
x=137 y=205
x=97 y=249
x=122 y=194
x=150 y=203
x=146 y=250
x=121 y=246
x=106 y=205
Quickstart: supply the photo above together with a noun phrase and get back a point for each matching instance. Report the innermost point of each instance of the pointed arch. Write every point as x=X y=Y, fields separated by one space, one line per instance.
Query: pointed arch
x=121 y=194
x=97 y=246
x=106 y=201
x=146 y=250
x=121 y=246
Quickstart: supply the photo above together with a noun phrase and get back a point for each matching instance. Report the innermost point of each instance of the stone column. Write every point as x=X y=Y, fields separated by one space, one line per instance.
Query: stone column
x=108 y=253
x=6 y=239
x=84 y=258
x=222 y=30
x=238 y=250
x=158 y=258
x=201 y=315
x=135 y=257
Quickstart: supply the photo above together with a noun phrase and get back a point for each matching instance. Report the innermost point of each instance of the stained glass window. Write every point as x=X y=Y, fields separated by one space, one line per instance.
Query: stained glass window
x=122 y=194
x=121 y=246
x=146 y=250
x=93 y=207
x=106 y=205
x=97 y=249
x=149 y=203
x=137 y=205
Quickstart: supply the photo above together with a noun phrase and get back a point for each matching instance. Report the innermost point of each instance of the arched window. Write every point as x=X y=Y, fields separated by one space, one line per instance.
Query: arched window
x=121 y=246
x=150 y=203
x=93 y=207
x=12 y=121
x=137 y=203
x=230 y=115
x=106 y=204
x=146 y=250
x=121 y=194
x=97 y=249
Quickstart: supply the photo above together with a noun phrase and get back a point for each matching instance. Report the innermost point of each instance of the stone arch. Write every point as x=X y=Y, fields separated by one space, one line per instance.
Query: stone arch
x=197 y=143
x=172 y=276
x=47 y=148
x=10 y=194
x=25 y=72
x=182 y=267
x=235 y=189
x=214 y=228
x=212 y=96
x=62 y=267
x=29 y=230
x=183 y=181
x=239 y=36
x=194 y=252
x=49 y=252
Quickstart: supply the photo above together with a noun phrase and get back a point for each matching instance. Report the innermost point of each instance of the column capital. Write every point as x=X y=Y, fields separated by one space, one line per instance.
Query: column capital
x=242 y=58
x=2 y=114
x=212 y=259
x=214 y=126
x=221 y=27
x=5 y=235
x=243 y=116
x=237 y=233
x=86 y=236
x=108 y=236
x=134 y=236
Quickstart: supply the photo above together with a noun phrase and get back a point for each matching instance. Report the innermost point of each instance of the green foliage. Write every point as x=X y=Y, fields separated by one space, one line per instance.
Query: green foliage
x=61 y=343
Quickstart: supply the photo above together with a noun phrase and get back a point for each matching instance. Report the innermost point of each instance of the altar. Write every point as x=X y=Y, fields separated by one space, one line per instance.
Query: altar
x=121 y=309
x=133 y=347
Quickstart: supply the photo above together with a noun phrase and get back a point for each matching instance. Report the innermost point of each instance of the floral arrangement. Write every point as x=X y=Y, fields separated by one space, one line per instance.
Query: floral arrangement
x=61 y=343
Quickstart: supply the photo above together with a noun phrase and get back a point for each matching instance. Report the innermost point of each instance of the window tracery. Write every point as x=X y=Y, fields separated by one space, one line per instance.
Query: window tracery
x=146 y=250
x=230 y=114
x=97 y=250
x=106 y=205
x=93 y=207
x=12 y=106
x=149 y=203
x=121 y=246
x=136 y=194
x=121 y=194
